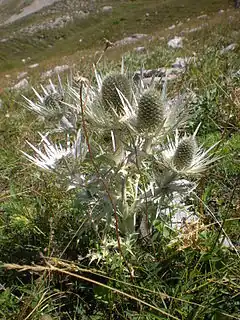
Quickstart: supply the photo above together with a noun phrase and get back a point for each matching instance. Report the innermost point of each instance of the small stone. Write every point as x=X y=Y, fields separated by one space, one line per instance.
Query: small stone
x=21 y=75
x=176 y=42
x=35 y=65
x=107 y=9
x=231 y=47
x=47 y=74
x=181 y=63
x=226 y=242
x=194 y=29
x=62 y=68
x=140 y=50
x=203 y=16
x=133 y=38
x=221 y=11
x=23 y=84
x=172 y=27
x=237 y=74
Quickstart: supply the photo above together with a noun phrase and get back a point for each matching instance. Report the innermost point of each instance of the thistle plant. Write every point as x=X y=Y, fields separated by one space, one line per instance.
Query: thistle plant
x=146 y=159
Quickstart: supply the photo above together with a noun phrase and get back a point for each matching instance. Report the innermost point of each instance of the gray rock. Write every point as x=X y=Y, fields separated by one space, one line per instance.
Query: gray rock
x=149 y=73
x=191 y=30
x=62 y=68
x=107 y=9
x=23 y=84
x=203 y=16
x=57 y=69
x=35 y=65
x=130 y=39
x=226 y=242
x=172 y=27
x=47 y=74
x=21 y=75
x=176 y=42
x=237 y=74
x=182 y=63
x=231 y=47
x=194 y=29
x=221 y=11
x=140 y=50
x=157 y=76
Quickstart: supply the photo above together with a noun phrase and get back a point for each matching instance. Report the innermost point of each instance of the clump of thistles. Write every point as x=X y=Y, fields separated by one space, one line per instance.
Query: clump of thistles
x=145 y=143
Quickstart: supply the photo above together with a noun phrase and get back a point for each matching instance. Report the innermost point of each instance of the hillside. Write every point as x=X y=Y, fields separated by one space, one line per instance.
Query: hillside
x=69 y=26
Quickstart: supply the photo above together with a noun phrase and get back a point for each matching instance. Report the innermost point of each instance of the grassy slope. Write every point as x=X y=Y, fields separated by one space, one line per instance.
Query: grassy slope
x=128 y=17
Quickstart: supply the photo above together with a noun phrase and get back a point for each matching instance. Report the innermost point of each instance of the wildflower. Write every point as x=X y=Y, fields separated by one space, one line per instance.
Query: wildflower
x=50 y=104
x=150 y=111
x=109 y=93
x=108 y=105
x=53 y=157
x=184 y=156
x=184 y=153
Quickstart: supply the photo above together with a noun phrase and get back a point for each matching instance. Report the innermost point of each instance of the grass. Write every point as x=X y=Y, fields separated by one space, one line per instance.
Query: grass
x=127 y=18
x=44 y=232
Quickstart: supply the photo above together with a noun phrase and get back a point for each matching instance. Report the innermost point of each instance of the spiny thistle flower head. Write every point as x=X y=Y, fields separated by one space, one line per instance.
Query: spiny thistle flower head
x=50 y=103
x=108 y=105
x=184 y=153
x=50 y=156
x=53 y=102
x=184 y=156
x=150 y=111
x=109 y=91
